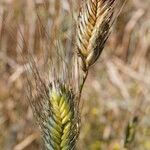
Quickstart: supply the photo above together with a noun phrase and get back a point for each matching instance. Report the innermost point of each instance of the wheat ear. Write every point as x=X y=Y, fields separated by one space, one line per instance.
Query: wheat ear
x=62 y=125
x=93 y=28
x=57 y=115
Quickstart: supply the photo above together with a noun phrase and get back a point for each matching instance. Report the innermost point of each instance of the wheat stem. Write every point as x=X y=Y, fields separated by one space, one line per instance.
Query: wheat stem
x=82 y=83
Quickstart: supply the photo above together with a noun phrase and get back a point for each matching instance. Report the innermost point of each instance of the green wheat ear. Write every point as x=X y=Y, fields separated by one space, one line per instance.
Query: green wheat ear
x=61 y=126
x=57 y=115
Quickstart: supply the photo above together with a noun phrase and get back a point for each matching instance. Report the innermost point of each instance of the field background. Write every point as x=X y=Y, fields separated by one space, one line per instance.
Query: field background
x=118 y=86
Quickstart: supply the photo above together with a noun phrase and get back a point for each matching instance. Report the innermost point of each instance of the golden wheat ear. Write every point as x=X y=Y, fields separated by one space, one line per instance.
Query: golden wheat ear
x=94 y=22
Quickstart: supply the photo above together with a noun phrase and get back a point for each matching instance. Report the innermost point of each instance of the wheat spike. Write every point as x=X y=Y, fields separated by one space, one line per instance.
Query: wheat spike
x=58 y=117
x=61 y=125
x=95 y=20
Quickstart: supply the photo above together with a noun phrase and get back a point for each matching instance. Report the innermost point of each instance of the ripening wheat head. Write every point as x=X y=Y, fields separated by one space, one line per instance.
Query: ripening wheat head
x=93 y=28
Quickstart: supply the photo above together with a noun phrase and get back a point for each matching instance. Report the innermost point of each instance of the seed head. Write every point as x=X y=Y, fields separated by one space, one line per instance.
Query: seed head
x=94 y=22
x=57 y=115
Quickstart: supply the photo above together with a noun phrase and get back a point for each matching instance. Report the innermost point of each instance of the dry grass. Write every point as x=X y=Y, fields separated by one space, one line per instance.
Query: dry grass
x=117 y=88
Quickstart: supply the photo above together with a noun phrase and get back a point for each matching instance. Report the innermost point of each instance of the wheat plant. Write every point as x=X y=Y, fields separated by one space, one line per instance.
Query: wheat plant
x=55 y=101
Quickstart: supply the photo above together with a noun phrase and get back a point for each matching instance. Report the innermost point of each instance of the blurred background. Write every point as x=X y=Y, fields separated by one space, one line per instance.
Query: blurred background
x=118 y=86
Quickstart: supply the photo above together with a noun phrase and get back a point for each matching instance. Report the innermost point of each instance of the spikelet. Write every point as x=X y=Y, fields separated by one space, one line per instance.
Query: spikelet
x=93 y=28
